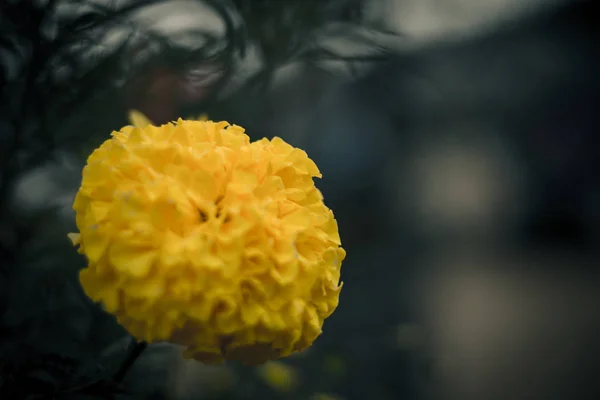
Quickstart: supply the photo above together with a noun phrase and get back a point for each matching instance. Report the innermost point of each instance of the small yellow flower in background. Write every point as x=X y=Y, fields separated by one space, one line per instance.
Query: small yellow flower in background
x=324 y=396
x=196 y=236
x=279 y=376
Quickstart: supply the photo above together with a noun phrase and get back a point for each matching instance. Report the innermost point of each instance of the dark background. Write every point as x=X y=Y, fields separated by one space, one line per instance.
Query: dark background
x=458 y=142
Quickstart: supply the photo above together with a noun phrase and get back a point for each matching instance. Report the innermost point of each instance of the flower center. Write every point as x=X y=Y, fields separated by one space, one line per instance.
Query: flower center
x=204 y=216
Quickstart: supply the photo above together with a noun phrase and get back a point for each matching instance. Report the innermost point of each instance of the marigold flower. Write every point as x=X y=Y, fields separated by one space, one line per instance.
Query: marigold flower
x=196 y=236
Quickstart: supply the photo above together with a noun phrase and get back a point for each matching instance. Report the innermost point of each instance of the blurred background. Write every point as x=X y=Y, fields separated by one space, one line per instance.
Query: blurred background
x=458 y=141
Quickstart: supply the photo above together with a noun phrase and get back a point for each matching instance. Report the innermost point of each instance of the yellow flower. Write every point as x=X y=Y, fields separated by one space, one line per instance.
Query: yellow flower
x=279 y=376
x=324 y=396
x=196 y=236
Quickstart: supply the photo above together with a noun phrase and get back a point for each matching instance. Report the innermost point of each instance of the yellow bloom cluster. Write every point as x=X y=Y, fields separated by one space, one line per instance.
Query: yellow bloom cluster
x=196 y=236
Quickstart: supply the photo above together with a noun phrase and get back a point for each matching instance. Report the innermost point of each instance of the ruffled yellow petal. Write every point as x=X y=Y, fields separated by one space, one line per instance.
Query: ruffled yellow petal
x=138 y=119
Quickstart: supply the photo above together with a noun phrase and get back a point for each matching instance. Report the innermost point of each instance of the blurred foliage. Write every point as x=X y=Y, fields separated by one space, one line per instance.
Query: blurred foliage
x=52 y=376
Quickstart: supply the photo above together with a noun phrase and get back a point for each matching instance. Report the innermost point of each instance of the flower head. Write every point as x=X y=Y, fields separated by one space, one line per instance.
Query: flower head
x=196 y=236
